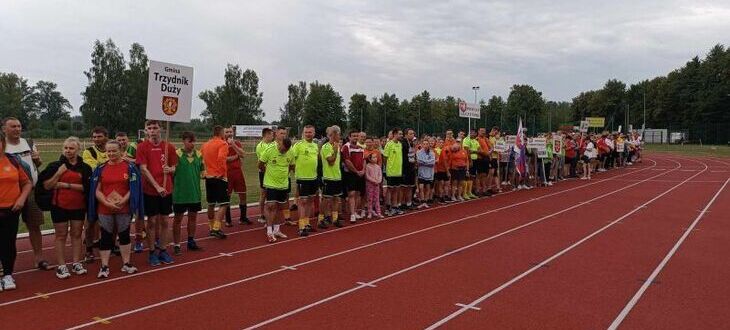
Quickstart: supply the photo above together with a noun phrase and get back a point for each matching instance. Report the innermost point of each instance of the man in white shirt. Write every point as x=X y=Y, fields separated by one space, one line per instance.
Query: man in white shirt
x=31 y=214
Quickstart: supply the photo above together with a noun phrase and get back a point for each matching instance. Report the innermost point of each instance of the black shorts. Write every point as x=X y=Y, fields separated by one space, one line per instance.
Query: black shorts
x=157 y=205
x=425 y=182
x=261 y=180
x=331 y=188
x=440 y=176
x=458 y=174
x=279 y=196
x=216 y=191
x=473 y=168
x=307 y=188
x=409 y=176
x=60 y=215
x=393 y=181
x=186 y=207
x=354 y=182
x=482 y=166
x=493 y=163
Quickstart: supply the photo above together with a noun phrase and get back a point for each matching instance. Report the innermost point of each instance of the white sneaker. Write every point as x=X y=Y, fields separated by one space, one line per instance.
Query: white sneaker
x=129 y=268
x=78 y=269
x=520 y=187
x=353 y=218
x=103 y=272
x=8 y=283
x=280 y=234
x=261 y=220
x=550 y=184
x=62 y=272
x=363 y=213
x=425 y=205
x=460 y=199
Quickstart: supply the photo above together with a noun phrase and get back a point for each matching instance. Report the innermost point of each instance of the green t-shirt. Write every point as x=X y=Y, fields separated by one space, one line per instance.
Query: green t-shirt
x=472 y=145
x=305 y=160
x=394 y=154
x=132 y=150
x=277 y=168
x=263 y=146
x=330 y=172
x=187 y=178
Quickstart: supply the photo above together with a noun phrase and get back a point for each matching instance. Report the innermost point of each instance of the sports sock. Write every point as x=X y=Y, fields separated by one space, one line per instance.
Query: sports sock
x=334 y=216
x=269 y=230
x=277 y=228
x=244 y=211
x=303 y=222
x=287 y=214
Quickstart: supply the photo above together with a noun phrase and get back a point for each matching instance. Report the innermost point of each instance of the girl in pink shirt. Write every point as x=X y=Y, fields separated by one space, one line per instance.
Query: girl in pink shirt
x=373 y=176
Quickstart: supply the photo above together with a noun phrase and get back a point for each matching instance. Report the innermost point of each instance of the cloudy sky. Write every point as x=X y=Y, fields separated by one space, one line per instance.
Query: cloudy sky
x=402 y=47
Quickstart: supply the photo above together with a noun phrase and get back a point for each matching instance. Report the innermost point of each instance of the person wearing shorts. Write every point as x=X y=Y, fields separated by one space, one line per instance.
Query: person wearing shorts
x=187 y=196
x=215 y=155
x=331 y=176
x=116 y=187
x=494 y=181
x=277 y=163
x=426 y=159
x=157 y=160
x=482 y=164
x=31 y=214
x=393 y=161
x=306 y=158
x=267 y=141
x=236 y=180
x=68 y=180
x=458 y=167
x=354 y=163
x=471 y=145
x=408 y=144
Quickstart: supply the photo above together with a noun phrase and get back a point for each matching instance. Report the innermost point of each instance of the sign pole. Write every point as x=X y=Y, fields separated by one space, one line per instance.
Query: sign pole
x=166 y=143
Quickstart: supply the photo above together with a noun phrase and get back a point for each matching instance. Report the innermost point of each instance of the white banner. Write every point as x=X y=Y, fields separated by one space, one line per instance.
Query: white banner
x=584 y=126
x=169 y=92
x=250 y=130
x=469 y=110
x=540 y=144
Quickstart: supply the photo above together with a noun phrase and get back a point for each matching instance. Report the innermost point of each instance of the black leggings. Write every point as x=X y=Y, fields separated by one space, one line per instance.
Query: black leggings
x=8 y=234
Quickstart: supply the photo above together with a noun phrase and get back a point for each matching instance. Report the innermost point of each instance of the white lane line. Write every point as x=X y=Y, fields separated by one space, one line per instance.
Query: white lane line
x=630 y=305
x=366 y=246
x=555 y=256
x=439 y=257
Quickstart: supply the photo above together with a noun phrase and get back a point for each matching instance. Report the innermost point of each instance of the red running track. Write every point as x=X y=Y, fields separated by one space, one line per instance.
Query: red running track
x=412 y=269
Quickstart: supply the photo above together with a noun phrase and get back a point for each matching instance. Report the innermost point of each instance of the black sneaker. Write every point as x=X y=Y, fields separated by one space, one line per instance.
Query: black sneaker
x=176 y=250
x=229 y=224
x=338 y=224
x=327 y=221
x=218 y=234
x=193 y=246
x=303 y=232
x=310 y=229
x=245 y=221
x=322 y=225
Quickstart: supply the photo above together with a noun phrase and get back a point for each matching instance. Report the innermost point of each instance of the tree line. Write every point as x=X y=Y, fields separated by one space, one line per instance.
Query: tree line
x=694 y=95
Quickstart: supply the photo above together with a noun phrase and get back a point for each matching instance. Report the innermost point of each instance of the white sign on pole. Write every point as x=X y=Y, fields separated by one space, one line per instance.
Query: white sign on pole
x=169 y=92
x=469 y=110
x=511 y=140
x=251 y=130
x=620 y=147
x=584 y=126
x=539 y=144
x=500 y=146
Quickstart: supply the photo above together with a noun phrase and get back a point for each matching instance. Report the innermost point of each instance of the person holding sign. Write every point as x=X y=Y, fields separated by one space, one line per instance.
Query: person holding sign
x=157 y=160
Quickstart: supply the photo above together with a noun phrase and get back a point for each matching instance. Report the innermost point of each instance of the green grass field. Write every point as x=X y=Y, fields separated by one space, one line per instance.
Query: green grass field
x=690 y=149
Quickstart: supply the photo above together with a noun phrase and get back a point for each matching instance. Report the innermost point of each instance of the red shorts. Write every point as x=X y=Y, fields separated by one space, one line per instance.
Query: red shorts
x=236 y=182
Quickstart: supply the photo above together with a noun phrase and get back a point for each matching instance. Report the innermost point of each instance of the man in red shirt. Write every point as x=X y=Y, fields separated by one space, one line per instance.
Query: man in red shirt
x=157 y=160
x=236 y=180
x=353 y=158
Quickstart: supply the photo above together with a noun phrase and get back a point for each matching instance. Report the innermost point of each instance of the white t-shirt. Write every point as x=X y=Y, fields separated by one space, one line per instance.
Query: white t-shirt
x=590 y=151
x=23 y=151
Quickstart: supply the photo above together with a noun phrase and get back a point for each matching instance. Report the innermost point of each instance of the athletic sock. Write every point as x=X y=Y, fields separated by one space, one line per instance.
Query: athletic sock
x=269 y=230
x=244 y=211
x=303 y=222
x=277 y=228
x=287 y=214
x=228 y=215
x=334 y=216
x=320 y=217
x=216 y=225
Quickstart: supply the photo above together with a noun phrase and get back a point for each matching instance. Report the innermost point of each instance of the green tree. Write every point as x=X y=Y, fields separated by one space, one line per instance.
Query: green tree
x=323 y=107
x=135 y=90
x=493 y=111
x=291 y=115
x=525 y=102
x=52 y=105
x=105 y=97
x=18 y=99
x=357 y=111
x=237 y=101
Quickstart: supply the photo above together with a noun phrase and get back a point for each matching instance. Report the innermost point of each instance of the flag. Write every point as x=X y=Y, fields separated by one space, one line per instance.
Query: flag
x=520 y=162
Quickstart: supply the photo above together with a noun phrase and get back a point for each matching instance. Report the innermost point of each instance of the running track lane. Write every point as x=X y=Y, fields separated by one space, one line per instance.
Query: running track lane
x=279 y=287
x=184 y=275
x=593 y=279
x=412 y=297
x=693 y=278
